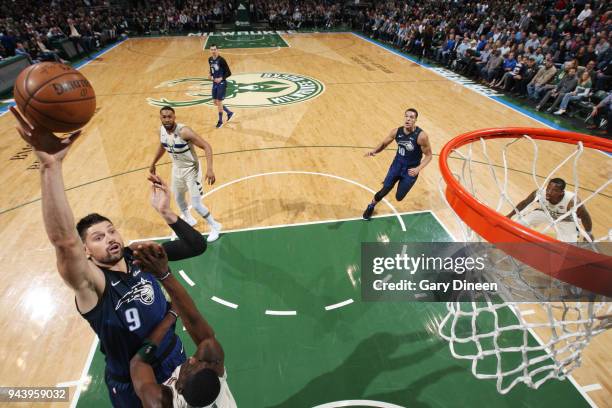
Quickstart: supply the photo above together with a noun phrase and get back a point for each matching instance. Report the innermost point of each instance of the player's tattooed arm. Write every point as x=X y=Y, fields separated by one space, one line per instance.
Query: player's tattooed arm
x=382 y=145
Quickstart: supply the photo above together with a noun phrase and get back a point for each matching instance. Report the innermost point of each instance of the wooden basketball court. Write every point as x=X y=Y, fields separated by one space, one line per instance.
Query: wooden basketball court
x=306 y=115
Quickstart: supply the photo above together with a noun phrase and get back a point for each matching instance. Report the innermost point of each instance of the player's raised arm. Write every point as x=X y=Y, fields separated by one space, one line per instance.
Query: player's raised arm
x=190 y=242
x=58 y=219
x=382 y=145
x=141 y=372
x=520 y=206
x=152 y=257
x=191 y=136
x=158 y=155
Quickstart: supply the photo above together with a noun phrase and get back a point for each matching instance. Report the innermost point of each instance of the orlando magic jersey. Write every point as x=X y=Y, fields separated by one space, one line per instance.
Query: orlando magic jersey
x=408 y=150
x=216 y=67
x=182 y=152
x=131 y=306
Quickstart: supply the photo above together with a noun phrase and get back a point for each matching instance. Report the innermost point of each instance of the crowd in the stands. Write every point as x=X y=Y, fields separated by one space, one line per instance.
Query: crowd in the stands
x=554 y=54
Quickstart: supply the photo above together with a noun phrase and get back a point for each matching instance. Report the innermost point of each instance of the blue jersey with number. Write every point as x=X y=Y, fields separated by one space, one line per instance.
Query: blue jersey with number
x=218 y=67
x=408 y=150
x=127 y=312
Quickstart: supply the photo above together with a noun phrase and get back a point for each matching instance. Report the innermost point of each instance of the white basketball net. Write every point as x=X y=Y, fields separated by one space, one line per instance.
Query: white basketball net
x=541 y=340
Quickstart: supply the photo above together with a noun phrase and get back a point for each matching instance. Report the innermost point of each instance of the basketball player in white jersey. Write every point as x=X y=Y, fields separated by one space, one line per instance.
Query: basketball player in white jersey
x=556 y=203
x=201 y=381
x=180 y=141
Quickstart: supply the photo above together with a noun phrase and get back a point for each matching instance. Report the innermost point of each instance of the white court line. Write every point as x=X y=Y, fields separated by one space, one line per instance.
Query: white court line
x=358 y=403
x=224 y=302
x=229 y=183
x=69 y=383
x=450 y=234
x=281 y=312
x=90 y=356
x=534 y=118
x=297 y=224
x=338 y=305
x=527 y=312
x=592 y=387
x=311 y=173
x=186 y=278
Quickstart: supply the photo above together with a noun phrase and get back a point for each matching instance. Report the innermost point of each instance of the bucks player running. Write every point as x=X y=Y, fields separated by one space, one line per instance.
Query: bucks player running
x=219 y=72
x=412 y=145
x=179 y=141
x=121 y=301
x=556 y=203
x=202 y=380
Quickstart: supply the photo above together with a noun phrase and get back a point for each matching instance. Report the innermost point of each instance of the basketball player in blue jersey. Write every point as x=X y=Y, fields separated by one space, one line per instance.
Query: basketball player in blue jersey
x=413 y=154
x=219 y=72
x=122 y=302
x=201 y=381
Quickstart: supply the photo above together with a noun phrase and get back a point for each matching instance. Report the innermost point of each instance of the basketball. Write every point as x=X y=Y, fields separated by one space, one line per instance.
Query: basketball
x=55 y=96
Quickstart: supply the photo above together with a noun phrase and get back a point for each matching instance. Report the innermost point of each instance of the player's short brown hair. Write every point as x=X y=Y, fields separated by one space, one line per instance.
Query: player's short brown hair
x=87 y=221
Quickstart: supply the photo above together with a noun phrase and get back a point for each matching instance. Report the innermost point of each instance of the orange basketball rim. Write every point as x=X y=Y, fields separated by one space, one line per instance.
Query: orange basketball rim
x=566 y=262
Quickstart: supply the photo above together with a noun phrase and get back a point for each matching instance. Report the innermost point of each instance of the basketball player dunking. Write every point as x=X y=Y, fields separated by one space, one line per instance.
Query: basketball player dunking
x=202 y=380
x=413 y=154
x=122 y=302
x=219 y=71
x=179 y=141
x=555 y=203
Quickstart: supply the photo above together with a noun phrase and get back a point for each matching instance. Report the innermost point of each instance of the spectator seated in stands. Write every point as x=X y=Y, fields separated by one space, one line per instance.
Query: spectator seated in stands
x=566 y=84
x=583 y=90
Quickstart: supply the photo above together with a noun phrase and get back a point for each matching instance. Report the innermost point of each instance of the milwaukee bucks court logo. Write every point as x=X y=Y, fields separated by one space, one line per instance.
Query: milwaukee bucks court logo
x=253 y=90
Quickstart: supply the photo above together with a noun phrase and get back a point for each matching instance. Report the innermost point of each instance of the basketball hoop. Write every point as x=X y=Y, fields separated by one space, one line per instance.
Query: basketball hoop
x=569 y=325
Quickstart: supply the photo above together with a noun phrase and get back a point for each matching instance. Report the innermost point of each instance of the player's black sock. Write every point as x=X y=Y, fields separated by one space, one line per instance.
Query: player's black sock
x=220 y=116
x=227 y=110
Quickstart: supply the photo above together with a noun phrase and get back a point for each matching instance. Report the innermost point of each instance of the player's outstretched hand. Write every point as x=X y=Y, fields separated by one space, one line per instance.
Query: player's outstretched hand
x=160 y=194
x=210 y=177
x=151 y=257
x=48 y=147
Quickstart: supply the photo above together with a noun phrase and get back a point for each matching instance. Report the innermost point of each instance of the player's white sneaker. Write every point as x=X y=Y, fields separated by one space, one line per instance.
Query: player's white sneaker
x=188 y=218
x=214 y=232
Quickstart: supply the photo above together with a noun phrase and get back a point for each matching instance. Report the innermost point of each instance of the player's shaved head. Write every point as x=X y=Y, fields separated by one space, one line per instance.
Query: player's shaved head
x=202 y=388
x=559 y=182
